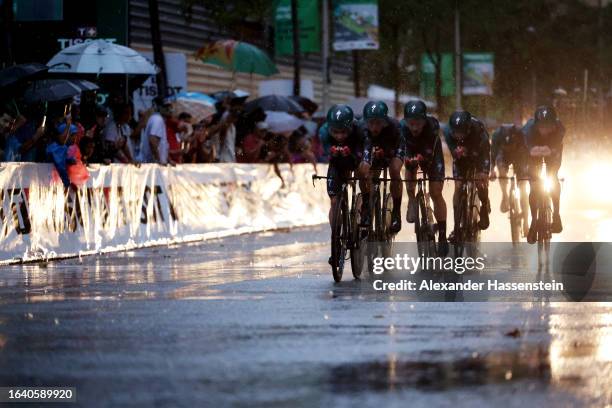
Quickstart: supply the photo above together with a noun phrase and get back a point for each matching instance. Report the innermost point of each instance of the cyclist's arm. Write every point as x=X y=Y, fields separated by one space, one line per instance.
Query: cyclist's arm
x=556 y=145
x=400 y=152
x=450 y=142
x=485 y=151
x=495 y=146
x=325 y=140
x=367 y=148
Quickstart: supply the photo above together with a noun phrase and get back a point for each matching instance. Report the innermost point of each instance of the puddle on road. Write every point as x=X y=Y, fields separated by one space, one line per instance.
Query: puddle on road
x=428 y=375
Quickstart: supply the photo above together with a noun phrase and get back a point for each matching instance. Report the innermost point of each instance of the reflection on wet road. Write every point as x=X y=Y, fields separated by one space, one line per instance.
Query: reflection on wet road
x=257 y=321
x=194 y=326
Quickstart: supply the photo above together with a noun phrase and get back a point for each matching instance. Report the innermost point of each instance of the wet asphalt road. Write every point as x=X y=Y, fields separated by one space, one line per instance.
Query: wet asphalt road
x=256 y=320
x=191 y=326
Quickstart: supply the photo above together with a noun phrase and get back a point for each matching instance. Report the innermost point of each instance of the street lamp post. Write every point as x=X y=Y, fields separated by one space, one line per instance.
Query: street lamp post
x=458 y=73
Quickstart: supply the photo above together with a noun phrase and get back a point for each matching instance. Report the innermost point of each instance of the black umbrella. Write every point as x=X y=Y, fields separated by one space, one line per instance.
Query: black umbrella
x=306 y=103
x=51 y=90
x=234 y=98
x=16 y=73
x=275 y=103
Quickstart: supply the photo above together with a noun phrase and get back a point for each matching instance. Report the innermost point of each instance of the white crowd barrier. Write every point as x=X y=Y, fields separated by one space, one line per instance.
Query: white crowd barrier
x=124 y=207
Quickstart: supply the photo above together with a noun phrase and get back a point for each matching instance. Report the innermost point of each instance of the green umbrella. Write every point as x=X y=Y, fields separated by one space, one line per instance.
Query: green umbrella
x=237 y=56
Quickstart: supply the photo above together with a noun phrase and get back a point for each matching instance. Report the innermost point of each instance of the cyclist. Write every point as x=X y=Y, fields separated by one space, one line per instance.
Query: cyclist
x=383 y=147
x=342 y=135
x=424 y=148
x=468 y=142
x=508 y=148
x=544 y=139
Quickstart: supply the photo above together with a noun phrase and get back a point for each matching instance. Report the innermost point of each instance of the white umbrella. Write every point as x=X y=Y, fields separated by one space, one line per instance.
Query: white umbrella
x=282 y=122
x=198 y=105
x=101 y=57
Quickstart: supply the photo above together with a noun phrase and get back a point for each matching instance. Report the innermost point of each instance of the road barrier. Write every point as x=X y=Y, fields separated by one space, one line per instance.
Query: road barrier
x=124 y=207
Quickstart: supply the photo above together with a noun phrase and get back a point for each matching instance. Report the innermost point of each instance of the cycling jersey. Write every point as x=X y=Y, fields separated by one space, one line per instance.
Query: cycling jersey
x=478 y=149
x=508 y=147
x=554 y=141
x=341 y=164
x=390 y=140
x=428 y=145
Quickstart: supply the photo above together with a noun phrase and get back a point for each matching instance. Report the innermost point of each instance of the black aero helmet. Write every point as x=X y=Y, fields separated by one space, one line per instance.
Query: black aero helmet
x=460 y=121
x=375 y=110
x=415 y=110
x=340 y=117
x=545 y=115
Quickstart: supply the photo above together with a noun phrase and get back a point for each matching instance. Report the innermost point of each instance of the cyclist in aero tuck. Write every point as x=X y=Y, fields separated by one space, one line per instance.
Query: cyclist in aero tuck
x=424 y=150
x=342 y=135
x=383 y=147
x=508 y=148
x=544 y=139
x=468 y=142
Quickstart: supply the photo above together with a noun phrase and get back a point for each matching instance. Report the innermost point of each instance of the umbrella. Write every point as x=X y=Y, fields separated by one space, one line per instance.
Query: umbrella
x=237 y=96
x=237 y=56
x=276 y=103
x=306 y=103
x=282 y=122
x=101 y=57
x=198 y=105
x=17 y=73
x=51 y=90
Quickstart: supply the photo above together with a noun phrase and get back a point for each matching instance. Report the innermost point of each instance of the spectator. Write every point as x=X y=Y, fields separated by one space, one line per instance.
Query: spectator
x=75 y=116
x=201 y=149
x=175 y=128
x=253 y=143
x=102 y=152
x=122 y=139
x=300 y=148
x=154 y=140
x=277 y=151
x=224 y=136
x=185 y=121
x=26 y=142
x=87 y=147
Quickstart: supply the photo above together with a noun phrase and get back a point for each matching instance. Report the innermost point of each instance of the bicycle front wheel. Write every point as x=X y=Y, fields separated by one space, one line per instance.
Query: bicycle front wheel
x=338 y=243
x=515 y=219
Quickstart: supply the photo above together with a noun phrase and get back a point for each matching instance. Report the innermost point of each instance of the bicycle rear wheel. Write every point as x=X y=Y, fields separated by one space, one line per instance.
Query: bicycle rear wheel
x=338 y=239
x=426 y=238
x=387 y=211
x=359 y=247
x=375 y=235
x=544 y=226
x=460 y=229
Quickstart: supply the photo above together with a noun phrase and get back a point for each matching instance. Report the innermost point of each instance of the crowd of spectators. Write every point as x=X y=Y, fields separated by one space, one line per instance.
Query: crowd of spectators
x=113 y=134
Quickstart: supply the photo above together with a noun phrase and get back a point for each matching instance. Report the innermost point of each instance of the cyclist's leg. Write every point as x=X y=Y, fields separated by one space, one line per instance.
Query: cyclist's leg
x=365 y=185
x=436 y=184
x=520 y=170
x=502 y=166
x=458 y=172
x=411 y=174
x=555 y=195
x=395 y=171
x=334 y=186
x=482 y=185
x=534 y=186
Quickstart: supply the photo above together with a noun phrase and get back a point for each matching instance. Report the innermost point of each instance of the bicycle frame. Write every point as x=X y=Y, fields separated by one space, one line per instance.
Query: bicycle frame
x=467 y=230
x=345 y=236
